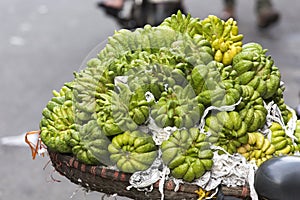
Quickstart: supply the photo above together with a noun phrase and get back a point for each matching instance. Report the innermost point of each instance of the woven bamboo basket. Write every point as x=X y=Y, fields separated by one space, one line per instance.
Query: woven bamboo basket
x=108 y=181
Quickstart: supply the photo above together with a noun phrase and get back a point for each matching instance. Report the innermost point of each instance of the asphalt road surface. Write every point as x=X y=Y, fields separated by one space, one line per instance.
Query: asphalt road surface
x=43 y=42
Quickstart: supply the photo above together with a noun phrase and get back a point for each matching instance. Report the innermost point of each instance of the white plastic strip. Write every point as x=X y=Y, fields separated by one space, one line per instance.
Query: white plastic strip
x=274 y=114
x=222 y=108
x=159 y=134
x=177 y=183
x=291 y=125
x=251 y=175
x=163 y=175
x=230 y=170
x=142 y=180
x=121 y=79
x=149 y=96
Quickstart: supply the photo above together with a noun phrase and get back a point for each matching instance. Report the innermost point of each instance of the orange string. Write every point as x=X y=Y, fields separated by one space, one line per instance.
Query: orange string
x=34 y=147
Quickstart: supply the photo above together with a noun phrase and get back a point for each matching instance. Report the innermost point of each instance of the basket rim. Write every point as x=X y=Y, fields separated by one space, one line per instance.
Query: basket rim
x=93 y=177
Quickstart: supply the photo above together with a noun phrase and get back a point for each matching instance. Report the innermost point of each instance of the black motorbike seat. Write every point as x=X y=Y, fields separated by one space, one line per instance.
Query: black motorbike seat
x=279 y=178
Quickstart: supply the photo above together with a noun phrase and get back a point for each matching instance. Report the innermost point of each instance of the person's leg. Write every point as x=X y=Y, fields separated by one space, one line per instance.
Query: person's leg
x=263 y=4
x=229 y=9
x=229 y=3
x=266 y=15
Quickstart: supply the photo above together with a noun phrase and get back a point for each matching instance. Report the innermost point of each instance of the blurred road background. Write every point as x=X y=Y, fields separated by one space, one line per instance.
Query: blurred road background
x=42 y=42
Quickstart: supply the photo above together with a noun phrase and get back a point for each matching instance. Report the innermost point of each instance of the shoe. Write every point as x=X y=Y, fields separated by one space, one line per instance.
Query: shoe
x=110 y=10
x=227 y=13
x=267 y=17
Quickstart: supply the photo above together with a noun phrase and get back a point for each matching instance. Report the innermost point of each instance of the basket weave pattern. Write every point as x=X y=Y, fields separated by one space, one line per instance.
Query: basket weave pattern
x=108 y=181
